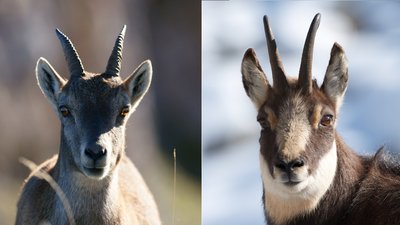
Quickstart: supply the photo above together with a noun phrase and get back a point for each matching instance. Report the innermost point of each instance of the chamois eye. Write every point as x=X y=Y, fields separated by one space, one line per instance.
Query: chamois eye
x=64 y=111
x=326 y=120
x=124 y=111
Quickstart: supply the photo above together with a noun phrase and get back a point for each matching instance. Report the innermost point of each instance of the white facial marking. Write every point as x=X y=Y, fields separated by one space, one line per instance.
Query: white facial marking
x=293 y=129
x=284 y=202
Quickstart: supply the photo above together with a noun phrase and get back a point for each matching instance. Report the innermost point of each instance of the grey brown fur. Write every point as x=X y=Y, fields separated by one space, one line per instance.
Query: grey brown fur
x=100 y=182
x=310 y=176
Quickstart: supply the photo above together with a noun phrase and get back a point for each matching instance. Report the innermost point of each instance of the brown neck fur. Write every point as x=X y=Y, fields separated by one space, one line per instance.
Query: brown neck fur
x=351 y=171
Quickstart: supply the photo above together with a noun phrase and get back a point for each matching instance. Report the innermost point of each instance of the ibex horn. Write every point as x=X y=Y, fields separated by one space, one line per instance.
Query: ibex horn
x=114 y=62
x=278 y=73
x=305 y=74
x=74 y=62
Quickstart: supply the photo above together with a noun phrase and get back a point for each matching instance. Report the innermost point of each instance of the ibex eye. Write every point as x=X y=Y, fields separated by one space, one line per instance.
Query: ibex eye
x=64 y=111
x=326 y=120
x=125 y=111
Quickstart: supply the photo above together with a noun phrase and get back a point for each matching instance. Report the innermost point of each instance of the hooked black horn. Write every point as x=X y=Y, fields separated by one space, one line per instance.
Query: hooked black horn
x=305 y=74
x=114 y=62
x=75 y=66
x=278 y=73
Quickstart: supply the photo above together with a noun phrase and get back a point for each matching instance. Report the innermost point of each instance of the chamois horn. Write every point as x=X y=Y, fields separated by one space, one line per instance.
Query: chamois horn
x=305 y=73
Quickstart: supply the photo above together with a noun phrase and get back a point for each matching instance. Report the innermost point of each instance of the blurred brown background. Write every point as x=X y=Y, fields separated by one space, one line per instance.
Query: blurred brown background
x=167 y=32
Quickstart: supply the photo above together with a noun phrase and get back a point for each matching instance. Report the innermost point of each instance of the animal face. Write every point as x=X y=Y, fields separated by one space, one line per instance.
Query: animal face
x=93 y=108
x=297 y=144
x=93 y=113
x=297 y=131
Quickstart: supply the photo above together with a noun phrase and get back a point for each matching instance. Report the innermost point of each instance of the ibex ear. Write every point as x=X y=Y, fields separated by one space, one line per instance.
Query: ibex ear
x=336 y=77
x=254 y=79
x=49 y=81
x=138 y=83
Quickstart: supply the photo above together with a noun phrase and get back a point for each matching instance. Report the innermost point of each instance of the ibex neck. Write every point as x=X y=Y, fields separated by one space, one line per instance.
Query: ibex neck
x=87 y=196
x=73 y=180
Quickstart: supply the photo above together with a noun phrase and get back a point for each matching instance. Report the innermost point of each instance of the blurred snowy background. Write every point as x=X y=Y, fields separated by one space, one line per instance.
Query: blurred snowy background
x=370 y=35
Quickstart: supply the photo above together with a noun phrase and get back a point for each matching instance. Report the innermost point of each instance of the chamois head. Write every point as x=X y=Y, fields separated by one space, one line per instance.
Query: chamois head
x=93 y=108
x=297 y=118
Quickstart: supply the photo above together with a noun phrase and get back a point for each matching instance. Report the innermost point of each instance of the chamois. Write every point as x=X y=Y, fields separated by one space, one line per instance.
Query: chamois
x=99 y=181
x=309 y=175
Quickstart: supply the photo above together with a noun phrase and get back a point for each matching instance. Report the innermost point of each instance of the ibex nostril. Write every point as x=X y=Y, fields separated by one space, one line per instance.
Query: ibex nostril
x=95 y=153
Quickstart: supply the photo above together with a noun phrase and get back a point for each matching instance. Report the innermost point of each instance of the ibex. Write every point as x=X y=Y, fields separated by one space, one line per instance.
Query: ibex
x=100 y=183
x=309 y=175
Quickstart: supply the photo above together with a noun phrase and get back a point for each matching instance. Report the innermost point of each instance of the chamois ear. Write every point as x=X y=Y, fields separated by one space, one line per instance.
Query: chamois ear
x=138 y=83
x=336 y=76
x=49 y=81
x=254 y=79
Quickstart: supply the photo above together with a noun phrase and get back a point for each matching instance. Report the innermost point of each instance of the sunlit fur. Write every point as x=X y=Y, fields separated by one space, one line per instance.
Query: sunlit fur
x=104 y=191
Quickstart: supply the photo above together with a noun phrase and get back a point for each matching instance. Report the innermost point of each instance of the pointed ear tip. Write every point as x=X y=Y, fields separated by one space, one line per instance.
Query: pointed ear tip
x=58 y=32
x=250 y=54
x=148 y=63
x=41 y=62
x=337 y=49
x=249 y=51
x=146 y=66
x=338 y=46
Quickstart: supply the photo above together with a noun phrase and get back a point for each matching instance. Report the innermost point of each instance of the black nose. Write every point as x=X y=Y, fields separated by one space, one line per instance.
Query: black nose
x=95 y=152
x=289 y=166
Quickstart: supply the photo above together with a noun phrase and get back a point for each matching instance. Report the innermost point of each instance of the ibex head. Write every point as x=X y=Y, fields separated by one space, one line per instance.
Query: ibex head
x=93 y=108
x=297 y=118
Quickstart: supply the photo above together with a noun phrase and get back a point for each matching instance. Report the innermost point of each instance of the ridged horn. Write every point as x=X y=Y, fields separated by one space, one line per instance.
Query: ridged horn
x=114 y=62
x=305 y=73
x=278 y=73
x=75 y=66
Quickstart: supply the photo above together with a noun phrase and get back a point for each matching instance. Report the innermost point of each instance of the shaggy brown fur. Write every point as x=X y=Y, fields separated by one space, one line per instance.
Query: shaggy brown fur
x=310 y=176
